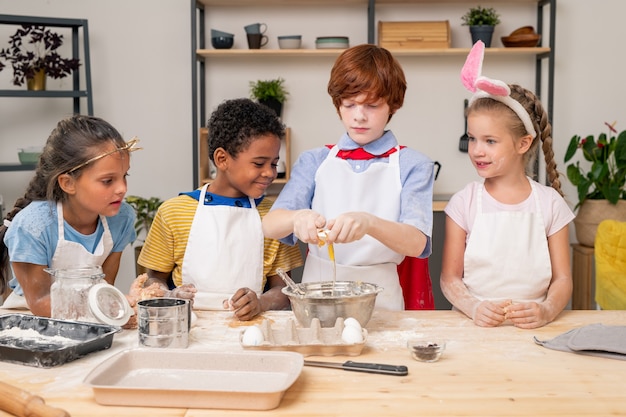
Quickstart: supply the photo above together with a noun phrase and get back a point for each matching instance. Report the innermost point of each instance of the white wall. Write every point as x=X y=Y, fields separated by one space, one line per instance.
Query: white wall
x=141 y=69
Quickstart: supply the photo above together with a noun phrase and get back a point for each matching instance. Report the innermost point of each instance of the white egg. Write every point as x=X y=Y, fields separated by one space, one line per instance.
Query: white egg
x=352 y=322
x=351 y=334
x=252 y=336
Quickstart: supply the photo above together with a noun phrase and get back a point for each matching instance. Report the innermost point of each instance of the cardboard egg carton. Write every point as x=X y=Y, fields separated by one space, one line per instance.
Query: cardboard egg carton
x=309 y=341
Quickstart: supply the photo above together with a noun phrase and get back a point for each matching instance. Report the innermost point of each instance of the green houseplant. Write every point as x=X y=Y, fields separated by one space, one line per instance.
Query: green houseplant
x=606 y=178
x=601 y=188
x=32 y=50
x=481 y=22
x=145 y=210
x=271 y=93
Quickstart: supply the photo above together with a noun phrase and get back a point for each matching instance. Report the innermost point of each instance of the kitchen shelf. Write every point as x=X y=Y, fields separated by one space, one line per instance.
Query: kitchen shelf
x=16 y=167
x=206 y=53
x=200 y=54
x=76 y=94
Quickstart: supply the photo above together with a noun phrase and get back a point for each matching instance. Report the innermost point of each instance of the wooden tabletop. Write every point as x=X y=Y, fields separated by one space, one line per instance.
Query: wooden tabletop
x=483 y=372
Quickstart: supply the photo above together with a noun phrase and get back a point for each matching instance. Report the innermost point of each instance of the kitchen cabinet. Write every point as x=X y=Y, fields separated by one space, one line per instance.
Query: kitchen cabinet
x=76 y=93
x=201 y=54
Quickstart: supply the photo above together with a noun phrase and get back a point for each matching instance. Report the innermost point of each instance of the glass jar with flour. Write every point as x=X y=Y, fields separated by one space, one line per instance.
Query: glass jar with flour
x=82 y=294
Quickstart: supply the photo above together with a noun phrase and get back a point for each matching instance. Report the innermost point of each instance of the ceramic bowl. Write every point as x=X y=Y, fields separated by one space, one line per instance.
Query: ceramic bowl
x=332 y=42
x=524 y=30
x=29 y=156
x=290 y=42
x=217 y=33
x=426 y=349
x=222 y=42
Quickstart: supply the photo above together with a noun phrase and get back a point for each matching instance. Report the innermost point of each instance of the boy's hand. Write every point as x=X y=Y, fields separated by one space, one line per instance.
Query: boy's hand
x=306 y=224
x=244 y=303
x=349 y=227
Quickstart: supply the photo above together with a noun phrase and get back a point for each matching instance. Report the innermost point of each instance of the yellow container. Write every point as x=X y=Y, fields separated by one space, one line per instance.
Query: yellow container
x=414 y=35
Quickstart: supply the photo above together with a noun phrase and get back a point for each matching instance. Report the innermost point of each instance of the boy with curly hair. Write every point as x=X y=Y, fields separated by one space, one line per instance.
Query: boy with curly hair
x=209 y=241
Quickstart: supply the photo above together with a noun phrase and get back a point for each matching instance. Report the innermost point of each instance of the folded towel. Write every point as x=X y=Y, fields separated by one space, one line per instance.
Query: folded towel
x=594 y=339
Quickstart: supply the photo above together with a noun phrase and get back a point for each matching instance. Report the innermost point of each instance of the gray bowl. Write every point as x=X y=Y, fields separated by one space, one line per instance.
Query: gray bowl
x=222 y=42
x=329 y=300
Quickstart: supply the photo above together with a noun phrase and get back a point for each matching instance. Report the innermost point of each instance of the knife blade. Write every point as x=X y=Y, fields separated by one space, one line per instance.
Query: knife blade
x=373 y=368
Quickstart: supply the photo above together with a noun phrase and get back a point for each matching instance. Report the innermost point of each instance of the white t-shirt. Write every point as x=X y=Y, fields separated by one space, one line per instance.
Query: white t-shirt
x=462 y=207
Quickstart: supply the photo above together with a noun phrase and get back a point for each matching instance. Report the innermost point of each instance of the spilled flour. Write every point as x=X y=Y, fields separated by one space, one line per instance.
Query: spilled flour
x=9 y=337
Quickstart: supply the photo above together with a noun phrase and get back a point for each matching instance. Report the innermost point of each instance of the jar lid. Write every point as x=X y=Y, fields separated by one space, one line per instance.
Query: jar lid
x=109 y=305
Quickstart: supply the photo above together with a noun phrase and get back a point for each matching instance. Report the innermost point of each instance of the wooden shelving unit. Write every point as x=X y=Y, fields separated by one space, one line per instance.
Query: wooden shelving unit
x=200 y=53
x=76 y=94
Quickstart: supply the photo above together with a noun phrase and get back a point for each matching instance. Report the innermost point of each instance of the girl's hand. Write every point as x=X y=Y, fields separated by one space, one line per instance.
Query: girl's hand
x=185 y=291
x=491 y=313
x=244 y=303
x=528 y=315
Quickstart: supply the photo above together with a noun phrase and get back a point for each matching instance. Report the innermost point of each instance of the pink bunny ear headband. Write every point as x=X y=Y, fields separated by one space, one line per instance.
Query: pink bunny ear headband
x=482 y=86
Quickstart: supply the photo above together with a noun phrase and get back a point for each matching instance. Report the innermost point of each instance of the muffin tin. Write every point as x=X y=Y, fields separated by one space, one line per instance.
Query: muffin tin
x=309 y=341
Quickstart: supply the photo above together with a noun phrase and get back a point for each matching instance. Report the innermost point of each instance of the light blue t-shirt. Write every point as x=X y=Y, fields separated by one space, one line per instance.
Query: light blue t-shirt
x=416 y=176
x=33 y=234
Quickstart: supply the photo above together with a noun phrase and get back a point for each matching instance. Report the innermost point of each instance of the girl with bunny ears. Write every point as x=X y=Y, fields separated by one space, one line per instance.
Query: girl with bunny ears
x=506 y=249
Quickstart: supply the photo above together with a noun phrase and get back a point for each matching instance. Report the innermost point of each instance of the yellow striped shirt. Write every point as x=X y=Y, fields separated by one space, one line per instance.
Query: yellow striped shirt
x=165 y=245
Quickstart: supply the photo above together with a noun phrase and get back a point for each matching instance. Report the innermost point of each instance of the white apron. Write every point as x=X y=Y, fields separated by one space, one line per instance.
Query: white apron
x=224 y=253
x=338 y=189
x=507 y=254
x=70 y=254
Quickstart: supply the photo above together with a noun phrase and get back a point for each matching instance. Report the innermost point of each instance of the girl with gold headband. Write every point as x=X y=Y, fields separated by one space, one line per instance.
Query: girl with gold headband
x=72 y=214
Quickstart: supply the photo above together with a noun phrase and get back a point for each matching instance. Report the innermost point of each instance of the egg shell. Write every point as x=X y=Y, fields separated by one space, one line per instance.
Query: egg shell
x=351 y=334
x=252 y=336
x=352 y=322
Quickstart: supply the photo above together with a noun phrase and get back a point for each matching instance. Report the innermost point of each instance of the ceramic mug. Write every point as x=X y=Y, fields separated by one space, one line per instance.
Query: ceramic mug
x=256 y=28
x=256 y=40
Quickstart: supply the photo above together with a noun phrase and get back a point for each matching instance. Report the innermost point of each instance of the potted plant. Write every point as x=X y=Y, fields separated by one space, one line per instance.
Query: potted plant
x=145 y=210
x=601 y=188
x=481 y=22
x=32 y=53
x=271 y=93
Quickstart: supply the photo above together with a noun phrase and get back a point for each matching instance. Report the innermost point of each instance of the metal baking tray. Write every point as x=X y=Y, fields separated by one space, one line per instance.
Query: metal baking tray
x=44 y=342
x=184 y=378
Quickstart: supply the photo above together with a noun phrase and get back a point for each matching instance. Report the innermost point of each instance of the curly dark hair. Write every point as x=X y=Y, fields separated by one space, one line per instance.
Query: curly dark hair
x=237 y=122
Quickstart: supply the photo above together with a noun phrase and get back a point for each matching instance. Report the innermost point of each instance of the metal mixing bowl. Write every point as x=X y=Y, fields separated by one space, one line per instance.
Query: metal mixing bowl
x=328 y=300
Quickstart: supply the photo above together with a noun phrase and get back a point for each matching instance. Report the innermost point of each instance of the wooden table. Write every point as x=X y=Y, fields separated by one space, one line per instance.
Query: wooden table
x=484 y=372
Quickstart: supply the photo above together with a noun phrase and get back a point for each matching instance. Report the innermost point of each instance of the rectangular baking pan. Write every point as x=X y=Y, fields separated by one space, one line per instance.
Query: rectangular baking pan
x=184 y=378
x=44 y=342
